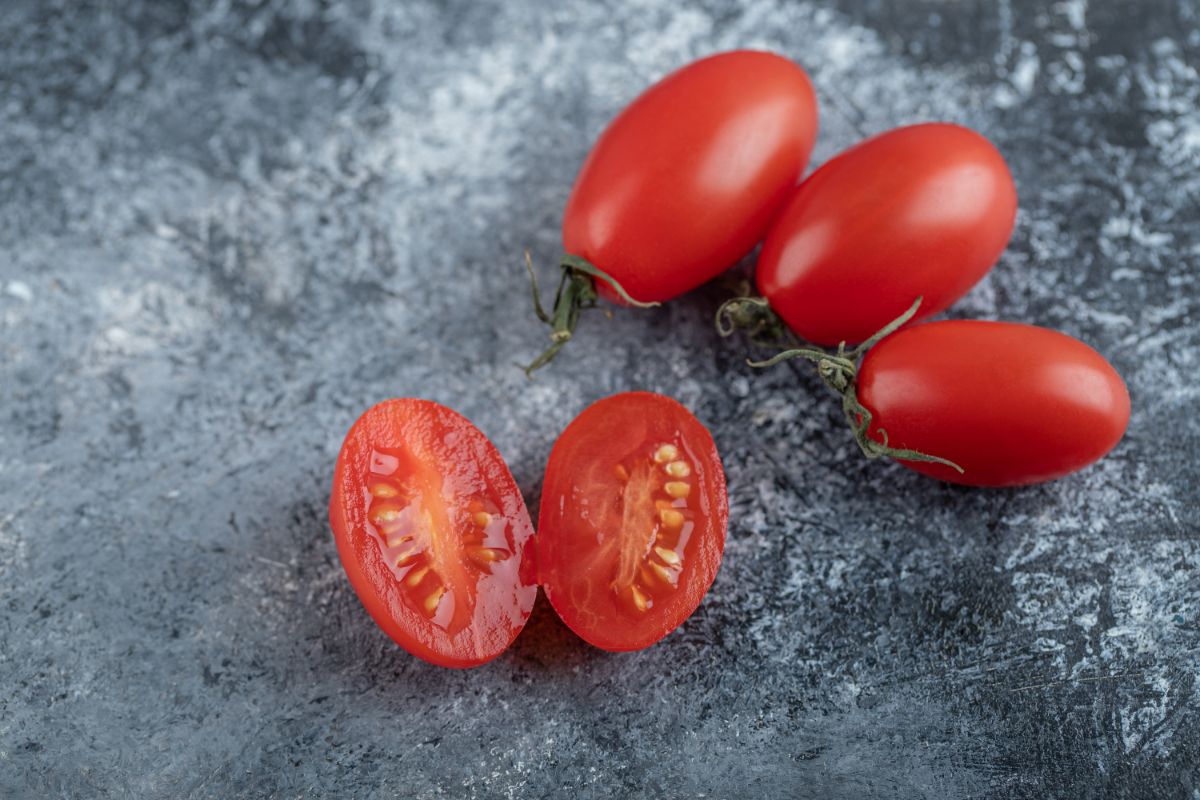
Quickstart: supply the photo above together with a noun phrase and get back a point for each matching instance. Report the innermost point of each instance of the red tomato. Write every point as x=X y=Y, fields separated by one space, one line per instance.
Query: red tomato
x=686 y=179
x=432 y=531
x=633 y=520
x=922 y=211
x=1011 y=404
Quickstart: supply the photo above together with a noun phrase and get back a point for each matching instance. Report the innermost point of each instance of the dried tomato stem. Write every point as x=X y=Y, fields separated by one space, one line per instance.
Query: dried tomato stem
x=839 y=371
x=576 y=292
x=753 y=315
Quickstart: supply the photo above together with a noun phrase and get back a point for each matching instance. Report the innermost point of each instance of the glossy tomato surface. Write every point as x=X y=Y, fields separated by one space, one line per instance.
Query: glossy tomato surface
x=922 y=211
x=432 y=531
x=633 y=520
x=686 y=179
x=1011 y=404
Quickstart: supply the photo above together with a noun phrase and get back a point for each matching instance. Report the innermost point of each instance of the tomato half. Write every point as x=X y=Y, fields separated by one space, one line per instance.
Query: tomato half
x=686 y=179
x=632 y=522
x=1011 y=404
x=922 y=211
x=432 y=531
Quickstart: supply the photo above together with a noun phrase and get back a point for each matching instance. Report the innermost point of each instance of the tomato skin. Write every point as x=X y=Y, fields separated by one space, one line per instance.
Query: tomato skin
x=685 y=180
x=920 y=211
x=1011 y=404
x=582 y=518
x=451 y=451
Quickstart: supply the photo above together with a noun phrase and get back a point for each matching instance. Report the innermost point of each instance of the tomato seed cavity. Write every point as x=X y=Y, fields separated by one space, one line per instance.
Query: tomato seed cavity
x=655 y=528
x=401 y=520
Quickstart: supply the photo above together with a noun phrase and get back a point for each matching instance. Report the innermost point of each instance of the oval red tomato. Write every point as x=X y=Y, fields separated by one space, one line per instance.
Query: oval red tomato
x=686 y=179
x=433 y=532
x=1011 y=404
x=922 y=211
x=632 y=522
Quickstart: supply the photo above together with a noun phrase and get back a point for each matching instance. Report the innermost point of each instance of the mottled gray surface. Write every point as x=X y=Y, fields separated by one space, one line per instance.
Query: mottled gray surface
x=227 y=229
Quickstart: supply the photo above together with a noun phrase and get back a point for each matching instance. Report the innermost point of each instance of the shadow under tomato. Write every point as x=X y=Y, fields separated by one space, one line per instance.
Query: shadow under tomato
x=547 y=643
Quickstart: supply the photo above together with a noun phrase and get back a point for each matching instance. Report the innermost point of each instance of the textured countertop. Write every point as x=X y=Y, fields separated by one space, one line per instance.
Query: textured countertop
x=227 y=229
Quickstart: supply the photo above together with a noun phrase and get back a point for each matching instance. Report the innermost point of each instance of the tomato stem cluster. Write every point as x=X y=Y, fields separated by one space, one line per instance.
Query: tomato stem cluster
x=576 y=292
x=838 y=369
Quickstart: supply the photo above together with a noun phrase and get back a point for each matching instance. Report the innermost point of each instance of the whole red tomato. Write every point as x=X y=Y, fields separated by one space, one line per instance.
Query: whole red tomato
x=686 y=179
x=921 y=211
x=1011 y=404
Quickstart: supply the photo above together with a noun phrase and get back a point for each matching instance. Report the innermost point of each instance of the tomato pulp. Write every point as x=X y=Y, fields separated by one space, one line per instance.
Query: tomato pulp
x=686 y=179
x=433 y=532
x=436 y=540
x=632 y=522
x=1011 y=404
x=921 y=211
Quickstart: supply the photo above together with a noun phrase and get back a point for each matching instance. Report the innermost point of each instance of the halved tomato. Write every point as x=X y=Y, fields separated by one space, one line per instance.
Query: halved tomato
x=632 y=522
x=432 y=531
x=435 y=537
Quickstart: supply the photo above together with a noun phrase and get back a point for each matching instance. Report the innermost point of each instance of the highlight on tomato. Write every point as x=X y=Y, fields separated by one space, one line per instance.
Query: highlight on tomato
x=919 y=211
x=681 y=184
x=433 y=532
x=974 y=402
x=633 y=520
x=436 y=539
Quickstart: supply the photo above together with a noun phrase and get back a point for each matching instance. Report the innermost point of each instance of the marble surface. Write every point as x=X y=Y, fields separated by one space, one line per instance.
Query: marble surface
x=229 y=227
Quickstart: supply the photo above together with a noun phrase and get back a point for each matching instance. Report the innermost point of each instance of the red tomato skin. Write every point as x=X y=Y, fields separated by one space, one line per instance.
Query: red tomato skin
x=610 y=427
x=685 y=181
x=470 y=459
x=1011 y=404
x=920 y=211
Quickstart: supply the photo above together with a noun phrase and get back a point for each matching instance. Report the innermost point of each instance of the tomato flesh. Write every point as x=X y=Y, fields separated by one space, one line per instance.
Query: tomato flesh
x=632 y=522
x=921 y=211
x=686 y=179
x=1011 y=404
x=433 y=532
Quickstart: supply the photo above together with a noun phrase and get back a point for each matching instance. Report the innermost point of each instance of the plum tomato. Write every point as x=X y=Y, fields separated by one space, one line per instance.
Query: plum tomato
x=684 y=181
x=632 y=521
x=682 y=184
x=1011 y=404
x=920 y=211
x=433 y=532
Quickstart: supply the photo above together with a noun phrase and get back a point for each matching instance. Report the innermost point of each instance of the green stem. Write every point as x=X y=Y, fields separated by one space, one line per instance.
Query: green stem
x=576 y=292
x=839 y=371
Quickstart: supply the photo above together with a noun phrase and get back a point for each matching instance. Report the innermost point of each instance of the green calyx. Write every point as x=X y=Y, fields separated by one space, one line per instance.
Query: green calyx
x=839 y=369
x=576 y=292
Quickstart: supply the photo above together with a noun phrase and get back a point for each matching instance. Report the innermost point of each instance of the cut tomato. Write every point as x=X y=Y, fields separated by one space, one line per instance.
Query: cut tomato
x=633 y=519
x=432 y=531
x=435 y=537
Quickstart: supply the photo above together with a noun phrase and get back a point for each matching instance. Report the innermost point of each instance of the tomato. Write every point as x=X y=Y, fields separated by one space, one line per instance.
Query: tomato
x=632 y=521
x=921 y=211
x=686 y=179
x=1011 y=404
x=436 y=540
x=433 y=532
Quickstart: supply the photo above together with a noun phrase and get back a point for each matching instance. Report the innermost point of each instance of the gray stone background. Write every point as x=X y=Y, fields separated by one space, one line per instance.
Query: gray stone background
x=227 y=228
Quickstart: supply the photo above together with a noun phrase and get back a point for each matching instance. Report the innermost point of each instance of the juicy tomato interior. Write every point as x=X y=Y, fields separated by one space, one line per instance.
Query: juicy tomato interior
x=432 y=531
x=633 y=519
